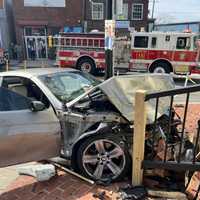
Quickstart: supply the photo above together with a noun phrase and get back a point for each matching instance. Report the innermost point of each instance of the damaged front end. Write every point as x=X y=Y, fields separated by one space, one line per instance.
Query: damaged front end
x=98 y=128
x=94 y=114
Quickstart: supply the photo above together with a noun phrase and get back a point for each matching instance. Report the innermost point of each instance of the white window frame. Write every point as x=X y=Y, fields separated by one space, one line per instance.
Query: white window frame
x=102 y=13
x=142 y=12
x=124 y=15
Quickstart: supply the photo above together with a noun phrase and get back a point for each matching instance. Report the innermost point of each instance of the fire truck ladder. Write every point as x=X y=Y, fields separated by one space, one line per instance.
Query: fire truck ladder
x=78 y=42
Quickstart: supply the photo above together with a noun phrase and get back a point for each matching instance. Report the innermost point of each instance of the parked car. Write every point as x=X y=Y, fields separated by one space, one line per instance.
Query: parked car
x=51 y=112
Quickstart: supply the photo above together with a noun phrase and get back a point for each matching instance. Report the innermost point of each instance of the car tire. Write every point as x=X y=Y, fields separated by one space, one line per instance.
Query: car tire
x=103 y=158
x=160 y=67
x=87 y=65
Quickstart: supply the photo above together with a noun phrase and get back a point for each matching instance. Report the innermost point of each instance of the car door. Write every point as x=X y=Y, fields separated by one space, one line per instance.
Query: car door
x=26 y=135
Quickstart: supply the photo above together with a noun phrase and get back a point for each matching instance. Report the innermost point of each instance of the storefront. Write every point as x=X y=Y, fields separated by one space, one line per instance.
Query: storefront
x=35 y=39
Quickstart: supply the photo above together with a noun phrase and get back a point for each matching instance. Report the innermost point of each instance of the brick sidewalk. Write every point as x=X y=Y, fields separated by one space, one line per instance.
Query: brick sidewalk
x=61 y=187
x=192 y=118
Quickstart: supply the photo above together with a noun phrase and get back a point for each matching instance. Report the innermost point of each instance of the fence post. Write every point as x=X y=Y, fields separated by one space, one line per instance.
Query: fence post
x=25 y=64
x=7 y=65
x=138 y=137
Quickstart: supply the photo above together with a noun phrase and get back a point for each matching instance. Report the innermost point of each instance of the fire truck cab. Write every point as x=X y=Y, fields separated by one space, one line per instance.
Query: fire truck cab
x=160 y=52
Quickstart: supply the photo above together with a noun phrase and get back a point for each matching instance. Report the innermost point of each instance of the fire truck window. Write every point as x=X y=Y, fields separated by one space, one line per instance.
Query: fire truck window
x=167 y=38
x=183 y=43
x=141 y=42
x=153 y=42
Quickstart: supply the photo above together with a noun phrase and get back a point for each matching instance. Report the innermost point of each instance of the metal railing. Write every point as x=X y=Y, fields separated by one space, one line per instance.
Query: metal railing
x=143 y=156
x=179 y=163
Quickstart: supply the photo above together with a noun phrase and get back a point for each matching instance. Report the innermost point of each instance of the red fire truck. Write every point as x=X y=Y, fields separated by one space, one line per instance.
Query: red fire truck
x=82 y=51
x=155 y=52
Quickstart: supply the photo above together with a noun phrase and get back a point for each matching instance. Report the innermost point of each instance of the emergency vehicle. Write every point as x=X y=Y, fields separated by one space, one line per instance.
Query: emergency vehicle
x=82 y=51
x=156 y=52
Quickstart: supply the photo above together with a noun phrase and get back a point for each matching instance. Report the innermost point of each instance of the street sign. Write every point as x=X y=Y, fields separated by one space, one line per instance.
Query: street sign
x=109 y=34
x=123 y=24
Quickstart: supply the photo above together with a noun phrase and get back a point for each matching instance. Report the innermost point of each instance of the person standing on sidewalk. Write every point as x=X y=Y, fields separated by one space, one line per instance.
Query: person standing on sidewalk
x=19 y=53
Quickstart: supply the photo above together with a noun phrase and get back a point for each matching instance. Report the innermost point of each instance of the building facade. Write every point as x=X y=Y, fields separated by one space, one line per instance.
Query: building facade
x=135 y=14
x=5 y=21
x=35 y=19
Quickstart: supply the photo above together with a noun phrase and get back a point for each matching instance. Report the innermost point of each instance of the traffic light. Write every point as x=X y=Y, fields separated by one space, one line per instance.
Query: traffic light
x=50 y=41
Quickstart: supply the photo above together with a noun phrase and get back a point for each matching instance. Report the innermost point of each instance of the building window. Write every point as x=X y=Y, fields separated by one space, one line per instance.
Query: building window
x=34 y=31
x=97 y=11
x=124 y=15
x=137 y=11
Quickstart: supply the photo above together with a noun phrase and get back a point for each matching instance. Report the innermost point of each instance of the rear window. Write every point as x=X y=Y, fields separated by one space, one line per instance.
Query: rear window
x=141 y=42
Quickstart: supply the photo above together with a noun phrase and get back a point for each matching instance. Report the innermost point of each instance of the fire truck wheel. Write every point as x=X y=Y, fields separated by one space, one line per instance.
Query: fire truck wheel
x=160 y=68
x=87 y=65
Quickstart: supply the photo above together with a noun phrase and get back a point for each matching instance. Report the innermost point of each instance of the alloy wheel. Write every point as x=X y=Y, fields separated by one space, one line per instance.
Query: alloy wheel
x=103 y=159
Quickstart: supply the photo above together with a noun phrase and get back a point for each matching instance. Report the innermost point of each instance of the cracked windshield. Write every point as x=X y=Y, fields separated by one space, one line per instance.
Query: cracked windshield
x=68 y=86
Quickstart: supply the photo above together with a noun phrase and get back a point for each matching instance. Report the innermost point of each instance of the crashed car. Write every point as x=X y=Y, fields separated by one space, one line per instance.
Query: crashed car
x=51 y=112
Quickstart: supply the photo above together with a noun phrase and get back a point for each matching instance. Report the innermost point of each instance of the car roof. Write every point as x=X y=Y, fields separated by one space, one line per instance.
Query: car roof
x=31 y=72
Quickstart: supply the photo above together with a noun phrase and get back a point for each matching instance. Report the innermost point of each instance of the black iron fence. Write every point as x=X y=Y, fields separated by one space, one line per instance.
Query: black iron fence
x=175 y=128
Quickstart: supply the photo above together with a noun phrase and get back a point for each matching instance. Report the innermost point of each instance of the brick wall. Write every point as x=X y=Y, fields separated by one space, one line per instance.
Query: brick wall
x=45 y=16
x=99 y=24
x=1 y=4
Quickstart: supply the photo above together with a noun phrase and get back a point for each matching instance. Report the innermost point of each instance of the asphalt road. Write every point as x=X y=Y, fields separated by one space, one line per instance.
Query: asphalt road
x=194 y=97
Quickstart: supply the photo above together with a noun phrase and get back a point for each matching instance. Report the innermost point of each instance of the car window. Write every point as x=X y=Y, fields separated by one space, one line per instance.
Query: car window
x=11 y=101
x=26 y=88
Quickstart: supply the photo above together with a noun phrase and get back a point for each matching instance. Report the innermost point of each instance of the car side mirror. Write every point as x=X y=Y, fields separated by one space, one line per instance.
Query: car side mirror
x=37 y=106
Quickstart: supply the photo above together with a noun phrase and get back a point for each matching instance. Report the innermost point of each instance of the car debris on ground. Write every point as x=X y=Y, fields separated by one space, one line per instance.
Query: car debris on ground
x=42 y=172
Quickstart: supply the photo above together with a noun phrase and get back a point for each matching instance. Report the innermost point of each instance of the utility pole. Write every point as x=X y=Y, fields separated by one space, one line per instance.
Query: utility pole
x=109 y=52
x=153 y=8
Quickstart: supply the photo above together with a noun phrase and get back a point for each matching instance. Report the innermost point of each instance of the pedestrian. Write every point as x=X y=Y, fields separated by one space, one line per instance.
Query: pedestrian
x=33 y=52
x=15 y=52
x=19 y=53
x=11 y=51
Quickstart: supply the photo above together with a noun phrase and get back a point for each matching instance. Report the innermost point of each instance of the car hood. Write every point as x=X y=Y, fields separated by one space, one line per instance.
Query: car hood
x=121 y=90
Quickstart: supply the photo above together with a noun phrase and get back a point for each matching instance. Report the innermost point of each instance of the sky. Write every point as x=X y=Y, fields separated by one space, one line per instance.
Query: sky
x=176 y=10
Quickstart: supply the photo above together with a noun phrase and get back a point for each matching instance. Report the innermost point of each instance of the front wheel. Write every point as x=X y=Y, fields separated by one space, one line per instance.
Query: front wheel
x=103 y=158
x=87 y=65
x=161 y=67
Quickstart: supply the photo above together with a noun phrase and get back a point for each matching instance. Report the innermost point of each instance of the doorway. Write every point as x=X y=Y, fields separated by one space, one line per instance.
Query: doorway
x=36 y=47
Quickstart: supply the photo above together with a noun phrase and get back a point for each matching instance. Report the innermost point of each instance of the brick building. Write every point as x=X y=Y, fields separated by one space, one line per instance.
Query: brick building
x=135 y=14
x=35 y=19
x=5 y=23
